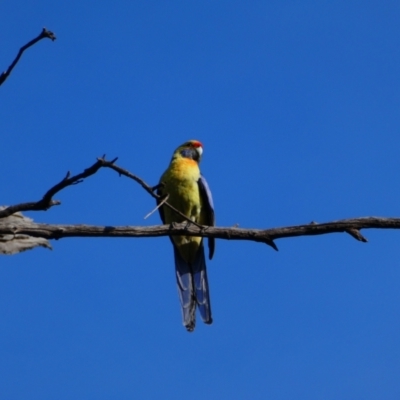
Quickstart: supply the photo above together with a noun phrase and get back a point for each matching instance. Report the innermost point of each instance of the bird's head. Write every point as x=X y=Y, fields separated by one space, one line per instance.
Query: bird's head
x=192 y=149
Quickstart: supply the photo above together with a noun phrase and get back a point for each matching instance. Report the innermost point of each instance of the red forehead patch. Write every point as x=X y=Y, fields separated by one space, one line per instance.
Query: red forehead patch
x=196 y=143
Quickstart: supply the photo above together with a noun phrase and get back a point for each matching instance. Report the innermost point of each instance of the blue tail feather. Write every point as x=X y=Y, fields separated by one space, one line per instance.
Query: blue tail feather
x=193 y=288
x=202 y=292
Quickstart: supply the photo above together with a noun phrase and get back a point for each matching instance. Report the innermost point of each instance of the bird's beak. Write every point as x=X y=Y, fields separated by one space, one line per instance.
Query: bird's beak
x=199 y=151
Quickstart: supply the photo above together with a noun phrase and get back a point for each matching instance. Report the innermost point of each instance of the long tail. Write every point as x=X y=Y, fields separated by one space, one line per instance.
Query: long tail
x=193 y=288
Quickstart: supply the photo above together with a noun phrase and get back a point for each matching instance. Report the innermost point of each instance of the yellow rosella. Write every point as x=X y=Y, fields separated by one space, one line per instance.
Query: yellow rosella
x=189 y=193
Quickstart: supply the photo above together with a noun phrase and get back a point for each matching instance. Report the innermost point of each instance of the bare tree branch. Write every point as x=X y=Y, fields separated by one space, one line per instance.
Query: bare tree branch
x=256 y=235
x=146 y=187
x=9 y=229
x=47 y=201
x=44 y=34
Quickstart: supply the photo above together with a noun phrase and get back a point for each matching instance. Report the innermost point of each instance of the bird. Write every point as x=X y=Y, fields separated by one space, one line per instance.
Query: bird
x=188 y=192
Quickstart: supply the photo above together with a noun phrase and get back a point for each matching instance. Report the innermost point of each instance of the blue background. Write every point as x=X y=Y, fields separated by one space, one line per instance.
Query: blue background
x=297 y=105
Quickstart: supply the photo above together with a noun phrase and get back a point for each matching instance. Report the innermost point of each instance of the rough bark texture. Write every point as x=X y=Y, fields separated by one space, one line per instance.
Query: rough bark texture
x=14 y=243
x=267 y=236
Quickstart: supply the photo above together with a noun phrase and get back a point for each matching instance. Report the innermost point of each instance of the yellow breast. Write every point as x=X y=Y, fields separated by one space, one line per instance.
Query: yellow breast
x=181 y=184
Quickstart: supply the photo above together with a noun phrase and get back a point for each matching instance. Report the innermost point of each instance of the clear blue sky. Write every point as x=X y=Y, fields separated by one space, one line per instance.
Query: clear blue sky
x=297 y=105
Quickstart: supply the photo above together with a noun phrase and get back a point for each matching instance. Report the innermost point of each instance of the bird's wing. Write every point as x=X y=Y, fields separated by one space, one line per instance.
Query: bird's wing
x=209 y=215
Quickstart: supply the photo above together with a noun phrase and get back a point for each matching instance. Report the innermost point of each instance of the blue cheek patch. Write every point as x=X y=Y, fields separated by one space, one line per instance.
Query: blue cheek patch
x=188 y=153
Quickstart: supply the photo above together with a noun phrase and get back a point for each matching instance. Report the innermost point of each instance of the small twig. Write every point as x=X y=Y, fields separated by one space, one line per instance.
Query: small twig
x=271 y=243
x=158 y=186
x=146 y=187
x=44 y=34
x=356 y=235
x=158 y=206
x=121 y=171
x=47 y=200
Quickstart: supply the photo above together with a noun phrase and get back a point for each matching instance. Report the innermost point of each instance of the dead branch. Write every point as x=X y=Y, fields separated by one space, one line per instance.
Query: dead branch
x=150 y=190
x=266 y=236
x=44 y=34
x=188 y=228
x=47 y=200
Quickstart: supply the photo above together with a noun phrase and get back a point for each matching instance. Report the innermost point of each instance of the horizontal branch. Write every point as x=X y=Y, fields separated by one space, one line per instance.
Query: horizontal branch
x=10 y=229
x=267 y=236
